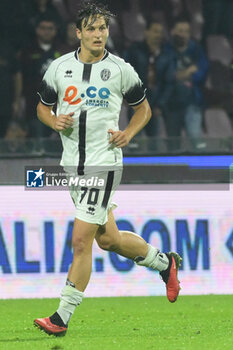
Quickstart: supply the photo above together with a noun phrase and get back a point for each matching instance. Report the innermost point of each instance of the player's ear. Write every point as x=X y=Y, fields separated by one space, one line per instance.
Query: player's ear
x=79 y=33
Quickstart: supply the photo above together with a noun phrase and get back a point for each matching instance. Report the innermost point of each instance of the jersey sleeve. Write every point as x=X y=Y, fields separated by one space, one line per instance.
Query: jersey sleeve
x=48 y=87
x=132 y=89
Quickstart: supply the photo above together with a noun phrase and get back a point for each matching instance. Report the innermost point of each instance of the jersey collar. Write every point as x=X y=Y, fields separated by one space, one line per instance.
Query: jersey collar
x=76 y=54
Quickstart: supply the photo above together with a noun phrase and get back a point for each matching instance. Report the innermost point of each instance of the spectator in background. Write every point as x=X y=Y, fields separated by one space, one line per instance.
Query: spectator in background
x=13 y=22
x=35 y=60
x=146 y=59
x=188 y=71
x=38 y=8
x=71 y=41
x=10 y=87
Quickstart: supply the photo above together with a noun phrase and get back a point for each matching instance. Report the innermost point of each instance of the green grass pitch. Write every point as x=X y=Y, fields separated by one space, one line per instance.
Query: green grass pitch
x=137 y=323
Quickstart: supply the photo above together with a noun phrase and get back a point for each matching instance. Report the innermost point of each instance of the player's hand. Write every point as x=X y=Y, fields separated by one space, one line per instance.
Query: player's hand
x=63 y=122
x=119 y=138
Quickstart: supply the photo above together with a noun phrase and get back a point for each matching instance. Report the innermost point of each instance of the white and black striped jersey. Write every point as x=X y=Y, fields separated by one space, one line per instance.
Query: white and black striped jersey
x=94 y=92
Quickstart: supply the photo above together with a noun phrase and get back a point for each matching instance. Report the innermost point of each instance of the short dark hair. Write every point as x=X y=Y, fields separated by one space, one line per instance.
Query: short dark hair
x=92 y=9
x=183 y=18
x=151 y=21
x=45 y=17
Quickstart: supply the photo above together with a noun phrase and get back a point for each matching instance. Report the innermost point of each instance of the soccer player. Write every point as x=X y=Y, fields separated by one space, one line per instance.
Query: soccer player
x=88 y=86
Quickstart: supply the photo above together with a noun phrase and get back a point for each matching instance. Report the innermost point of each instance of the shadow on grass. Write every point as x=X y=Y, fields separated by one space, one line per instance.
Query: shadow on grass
x=24 y=340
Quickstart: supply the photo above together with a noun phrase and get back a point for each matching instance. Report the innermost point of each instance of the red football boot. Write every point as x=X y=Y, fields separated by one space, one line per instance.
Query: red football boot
x=170 y=275
x=50 y=328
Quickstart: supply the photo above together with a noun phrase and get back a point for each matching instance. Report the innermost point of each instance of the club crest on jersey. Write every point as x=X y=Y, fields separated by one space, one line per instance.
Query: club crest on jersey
x=105 y=74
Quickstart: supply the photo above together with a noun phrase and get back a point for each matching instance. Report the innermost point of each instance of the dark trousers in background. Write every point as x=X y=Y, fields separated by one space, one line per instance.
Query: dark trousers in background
x=5 y=118
x=188 y=118
x=218 y=16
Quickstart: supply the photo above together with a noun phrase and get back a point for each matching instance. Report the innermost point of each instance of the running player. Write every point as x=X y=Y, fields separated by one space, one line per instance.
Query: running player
x=88 y=86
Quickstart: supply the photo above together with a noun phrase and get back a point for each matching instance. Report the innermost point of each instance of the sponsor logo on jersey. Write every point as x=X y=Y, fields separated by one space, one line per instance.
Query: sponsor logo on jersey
x=105 y=74
x=35 y=178
x=93 y=96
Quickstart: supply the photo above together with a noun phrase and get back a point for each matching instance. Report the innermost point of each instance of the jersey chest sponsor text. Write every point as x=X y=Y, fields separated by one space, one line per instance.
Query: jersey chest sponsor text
x=93 y=96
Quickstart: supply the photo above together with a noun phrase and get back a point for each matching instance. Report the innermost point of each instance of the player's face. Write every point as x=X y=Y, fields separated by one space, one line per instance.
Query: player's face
x=94 y=36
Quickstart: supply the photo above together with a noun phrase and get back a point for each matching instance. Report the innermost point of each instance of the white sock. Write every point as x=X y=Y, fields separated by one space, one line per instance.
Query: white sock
x=154 y=259
x=70 y=298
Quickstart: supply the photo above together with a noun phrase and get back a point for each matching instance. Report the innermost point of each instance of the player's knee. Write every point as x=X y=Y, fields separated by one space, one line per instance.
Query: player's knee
x=107 y=243
x=79 y=246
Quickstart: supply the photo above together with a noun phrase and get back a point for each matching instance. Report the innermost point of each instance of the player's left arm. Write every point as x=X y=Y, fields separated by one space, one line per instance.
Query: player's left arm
x=141 y=116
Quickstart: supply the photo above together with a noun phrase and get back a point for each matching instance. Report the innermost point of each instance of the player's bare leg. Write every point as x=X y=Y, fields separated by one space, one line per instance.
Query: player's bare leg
x=125 y=243
x=82 y=241
x=132 y=246
x=79 y=274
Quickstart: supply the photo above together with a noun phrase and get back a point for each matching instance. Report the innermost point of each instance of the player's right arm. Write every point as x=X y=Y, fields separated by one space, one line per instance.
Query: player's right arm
x=46 y=115
x=48 y=93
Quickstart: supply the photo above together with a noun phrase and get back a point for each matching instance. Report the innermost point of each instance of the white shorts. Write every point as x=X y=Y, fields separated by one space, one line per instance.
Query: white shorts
x=92 y=196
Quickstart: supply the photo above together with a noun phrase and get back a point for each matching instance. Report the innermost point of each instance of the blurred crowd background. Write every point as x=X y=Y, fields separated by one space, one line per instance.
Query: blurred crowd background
x=181 y=49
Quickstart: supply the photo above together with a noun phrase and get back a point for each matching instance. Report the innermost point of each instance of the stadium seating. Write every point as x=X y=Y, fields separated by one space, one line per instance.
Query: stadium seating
x=134 y=23
x=217 y=123
x=219 y=49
